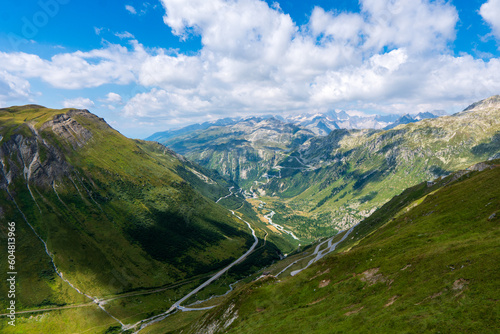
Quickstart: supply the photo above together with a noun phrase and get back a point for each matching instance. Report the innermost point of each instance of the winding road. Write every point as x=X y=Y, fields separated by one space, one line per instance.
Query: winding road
x=177 y=305
x=320 y=254
x=230 y=193
x=269 y=218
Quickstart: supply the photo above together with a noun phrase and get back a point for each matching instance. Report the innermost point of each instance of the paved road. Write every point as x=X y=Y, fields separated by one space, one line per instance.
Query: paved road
x=230 y=193
x=177 y=305
x=269 y=218
x=320 y=254
x=316 y=250
x=220 y=273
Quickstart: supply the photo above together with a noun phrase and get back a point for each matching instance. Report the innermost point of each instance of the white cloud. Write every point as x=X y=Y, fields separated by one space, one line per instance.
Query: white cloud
x=391 y=56
x=163 y=104
x=113 y=98
x=124 y=35
x=13 y=88
x=79 y=102
x=357 y=113
x=98 y=30
x=419 y=25
x=490 y=11
x=112 y=64
x=130 y=9
x=178 y=71
x=377 y=78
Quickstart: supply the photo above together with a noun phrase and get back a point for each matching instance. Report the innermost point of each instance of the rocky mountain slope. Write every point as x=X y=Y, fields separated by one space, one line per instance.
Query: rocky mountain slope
x=319 y=183
x=425 y=262
x=407 y=118
x=323 y=124
x=241 y=151
x=165 y=135
x=100 y=215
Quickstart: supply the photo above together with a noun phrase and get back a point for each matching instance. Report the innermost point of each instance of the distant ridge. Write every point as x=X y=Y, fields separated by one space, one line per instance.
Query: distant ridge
x=25 y=107
x=486 y=103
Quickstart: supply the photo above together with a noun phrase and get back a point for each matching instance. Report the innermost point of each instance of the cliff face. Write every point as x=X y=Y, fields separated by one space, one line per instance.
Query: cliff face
x=29 y=155
x=68 y=129
x=36 y=149
x=30 y=158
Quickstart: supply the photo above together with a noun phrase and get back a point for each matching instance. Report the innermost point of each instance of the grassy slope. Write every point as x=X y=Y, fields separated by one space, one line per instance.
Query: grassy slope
x=122 y=219
x=433 y=268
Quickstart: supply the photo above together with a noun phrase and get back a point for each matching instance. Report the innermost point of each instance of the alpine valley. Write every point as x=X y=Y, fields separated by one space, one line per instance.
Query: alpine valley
x=324 y=223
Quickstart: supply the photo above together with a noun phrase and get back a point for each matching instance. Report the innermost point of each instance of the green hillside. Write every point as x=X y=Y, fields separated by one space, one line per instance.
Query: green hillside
x=113 y=215
x=426 y=262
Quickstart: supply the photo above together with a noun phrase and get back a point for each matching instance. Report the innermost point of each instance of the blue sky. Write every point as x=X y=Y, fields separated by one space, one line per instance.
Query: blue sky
x=150 y=66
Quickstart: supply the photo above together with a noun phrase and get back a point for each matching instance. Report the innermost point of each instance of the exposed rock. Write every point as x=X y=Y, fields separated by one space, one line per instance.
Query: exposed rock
x=68 y=129
x=391 y=301
x=479 y=167
x=316 y=301
x=220 y=324
x=324 y=283
x=406 y=267
x=33 y=158
x=490 y=102
x=354 y=312
x=460 y=284
x=372 y=277
x=30 y=158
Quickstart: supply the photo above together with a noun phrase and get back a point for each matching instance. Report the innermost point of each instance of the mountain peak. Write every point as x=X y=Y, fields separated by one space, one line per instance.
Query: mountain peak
x=486 y=103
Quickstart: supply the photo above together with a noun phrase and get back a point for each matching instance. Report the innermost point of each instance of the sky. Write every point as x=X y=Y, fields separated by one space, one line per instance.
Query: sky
x=157 y=65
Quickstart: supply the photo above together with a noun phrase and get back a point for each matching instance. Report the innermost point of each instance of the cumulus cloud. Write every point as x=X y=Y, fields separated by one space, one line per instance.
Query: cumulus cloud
x=490 y=11
x=377 y=78
x=160 y=103
x=391 y=56
x=79 y=102
x=112 y=64
x=419 y=25
x=113 y=98
x=13 y=88
x=177 y=71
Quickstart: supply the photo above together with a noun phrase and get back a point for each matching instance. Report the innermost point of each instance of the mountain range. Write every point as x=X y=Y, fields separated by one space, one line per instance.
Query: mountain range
x=340 y=179
x=335 y=181
x=259 y=142
x=252 y=225
x=319 y=123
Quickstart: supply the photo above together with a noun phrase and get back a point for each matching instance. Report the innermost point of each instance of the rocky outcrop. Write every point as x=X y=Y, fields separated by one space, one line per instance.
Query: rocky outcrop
x=69 y=130
x=36 y=159
x=32 y=159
